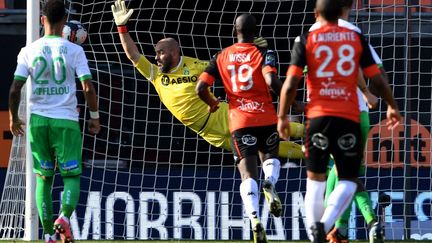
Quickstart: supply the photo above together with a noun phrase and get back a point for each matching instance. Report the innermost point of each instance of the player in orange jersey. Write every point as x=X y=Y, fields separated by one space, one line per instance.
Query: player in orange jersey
x=247 y=73
x=333 y=55
x=174 y=79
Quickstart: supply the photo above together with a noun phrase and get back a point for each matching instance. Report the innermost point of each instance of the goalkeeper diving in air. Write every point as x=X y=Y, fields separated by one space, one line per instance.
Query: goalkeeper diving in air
x=175 y=77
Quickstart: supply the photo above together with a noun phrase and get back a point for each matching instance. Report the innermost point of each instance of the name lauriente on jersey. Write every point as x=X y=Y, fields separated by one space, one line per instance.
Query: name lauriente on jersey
x=334 y=37
x=329 y=87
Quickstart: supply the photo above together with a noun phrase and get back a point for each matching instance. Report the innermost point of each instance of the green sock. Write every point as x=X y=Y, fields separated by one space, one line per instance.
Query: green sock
x=44 y=203
x=70 y=194
x=364 y=204
x=332 y=180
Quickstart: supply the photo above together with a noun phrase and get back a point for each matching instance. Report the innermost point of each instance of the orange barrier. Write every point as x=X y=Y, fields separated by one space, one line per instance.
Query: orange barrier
x=398 y=6
x=5 y=138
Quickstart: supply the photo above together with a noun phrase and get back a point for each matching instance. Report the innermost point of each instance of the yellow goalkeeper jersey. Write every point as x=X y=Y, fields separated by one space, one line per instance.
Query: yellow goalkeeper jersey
x=176 y=89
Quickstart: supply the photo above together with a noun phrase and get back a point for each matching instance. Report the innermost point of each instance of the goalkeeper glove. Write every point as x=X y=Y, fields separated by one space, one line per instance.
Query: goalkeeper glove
x=120 y=12
x=261 y=42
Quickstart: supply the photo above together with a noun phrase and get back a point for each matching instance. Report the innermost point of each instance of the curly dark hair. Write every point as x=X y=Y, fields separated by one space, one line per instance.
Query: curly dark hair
x=54 y=10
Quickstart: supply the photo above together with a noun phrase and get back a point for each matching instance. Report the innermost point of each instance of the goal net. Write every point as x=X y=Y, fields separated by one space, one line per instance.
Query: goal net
x=147 y=176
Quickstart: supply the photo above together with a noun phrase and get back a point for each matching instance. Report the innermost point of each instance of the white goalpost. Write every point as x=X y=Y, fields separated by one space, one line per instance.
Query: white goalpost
x=147 y=176
x=19 y=218
x=31 y=214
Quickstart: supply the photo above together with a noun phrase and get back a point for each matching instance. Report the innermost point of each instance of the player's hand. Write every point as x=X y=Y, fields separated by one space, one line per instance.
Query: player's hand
x=283 y=128
x=94 y=126
x=370 y=99
x=393 y=117
x=16 y=127
x=120 y=12
x=215 y=105
x=261 y=42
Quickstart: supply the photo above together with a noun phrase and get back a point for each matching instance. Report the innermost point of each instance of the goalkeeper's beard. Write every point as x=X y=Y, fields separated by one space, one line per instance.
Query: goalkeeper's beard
x=166 y=66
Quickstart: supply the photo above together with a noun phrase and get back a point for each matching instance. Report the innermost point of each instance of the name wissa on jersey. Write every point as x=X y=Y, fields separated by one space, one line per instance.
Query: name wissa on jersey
x=333 y=55
x=242 y=67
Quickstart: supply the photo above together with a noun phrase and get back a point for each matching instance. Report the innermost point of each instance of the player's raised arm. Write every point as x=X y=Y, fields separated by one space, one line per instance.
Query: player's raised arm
x=121 y=16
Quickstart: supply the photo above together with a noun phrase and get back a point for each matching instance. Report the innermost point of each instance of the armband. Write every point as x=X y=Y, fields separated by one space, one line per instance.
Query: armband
x=122 y=29
x=94 y=114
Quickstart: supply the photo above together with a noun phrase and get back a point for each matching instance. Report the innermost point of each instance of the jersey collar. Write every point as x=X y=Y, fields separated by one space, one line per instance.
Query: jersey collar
x=52 y=36
x=178 y=65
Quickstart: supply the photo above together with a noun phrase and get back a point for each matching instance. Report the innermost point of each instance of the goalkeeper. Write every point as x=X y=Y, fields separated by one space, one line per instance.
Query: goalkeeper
x=175 y=78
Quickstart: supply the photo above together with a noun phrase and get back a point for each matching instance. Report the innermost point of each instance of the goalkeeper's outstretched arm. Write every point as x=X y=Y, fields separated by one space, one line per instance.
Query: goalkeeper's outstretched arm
x=130 y=47
x=121 y=16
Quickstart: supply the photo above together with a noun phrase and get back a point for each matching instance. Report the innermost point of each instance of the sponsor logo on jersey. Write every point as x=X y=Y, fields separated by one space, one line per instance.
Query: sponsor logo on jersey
x=347 y=141
x=250 y=105
x=272 y=139
x=166 y=80
x=69 y=165
x=46 y=165
x=320 y=141
x=331 y=90
x=185 y=70
x=249 y=140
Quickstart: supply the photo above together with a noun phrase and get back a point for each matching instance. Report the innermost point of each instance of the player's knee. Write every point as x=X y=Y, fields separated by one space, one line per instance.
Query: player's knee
x=350 y=186
x=248 y=168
